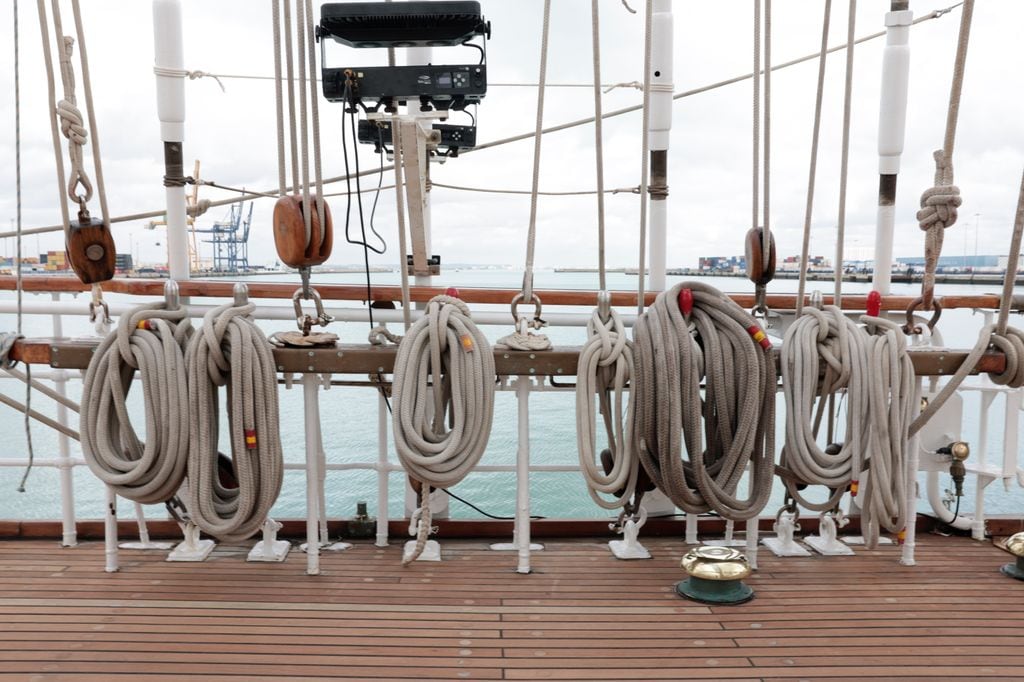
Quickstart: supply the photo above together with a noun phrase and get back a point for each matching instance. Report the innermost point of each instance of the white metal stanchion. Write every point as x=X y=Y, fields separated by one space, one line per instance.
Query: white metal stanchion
x=311 y=405
x=909 y=539
x=69 y=534
x=691 y=529
x=521 y=535
x=383 y=471
x=110 y=532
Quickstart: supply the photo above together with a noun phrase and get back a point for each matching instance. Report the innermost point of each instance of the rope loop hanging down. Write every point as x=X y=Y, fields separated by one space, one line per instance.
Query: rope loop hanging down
x=694 y=333
x=149 y=340
x=231 y=351
x=443 y=388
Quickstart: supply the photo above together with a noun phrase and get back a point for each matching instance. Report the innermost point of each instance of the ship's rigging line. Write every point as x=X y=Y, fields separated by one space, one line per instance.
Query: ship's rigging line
x=521 y=338
x=935 y=14
x=605 y=363
x=644 y=153
x=17 y=260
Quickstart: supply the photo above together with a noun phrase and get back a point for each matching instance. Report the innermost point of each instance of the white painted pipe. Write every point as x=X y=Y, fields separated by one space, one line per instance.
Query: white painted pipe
x=892 y=122
x=69 y=532
x=276 y=312
x=110 y=533
x=910 y=532
x=522 y=522
x=961 y=522
x=657 y=244
x=170 y=102
x=311 y=405
x=383 y=471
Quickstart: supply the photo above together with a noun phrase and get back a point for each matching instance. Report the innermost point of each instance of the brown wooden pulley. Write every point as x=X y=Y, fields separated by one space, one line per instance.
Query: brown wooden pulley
x=759 y=271
x=91 y=250
x=290 y=233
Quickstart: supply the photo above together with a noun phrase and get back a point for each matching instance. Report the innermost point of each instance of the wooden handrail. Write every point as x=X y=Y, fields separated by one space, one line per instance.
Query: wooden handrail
x=357 y=292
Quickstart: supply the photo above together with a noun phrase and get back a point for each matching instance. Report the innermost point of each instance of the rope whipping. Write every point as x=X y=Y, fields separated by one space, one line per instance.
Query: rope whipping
x=731 y=426
x=149 y=341
x=231 y=351
x=940 y=202
x=444 y=401
x=605 y=364
x=521 y=338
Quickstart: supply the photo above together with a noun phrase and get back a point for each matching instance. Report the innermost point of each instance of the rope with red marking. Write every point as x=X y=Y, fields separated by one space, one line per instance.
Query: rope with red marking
x=694 y=333
x=231 y=351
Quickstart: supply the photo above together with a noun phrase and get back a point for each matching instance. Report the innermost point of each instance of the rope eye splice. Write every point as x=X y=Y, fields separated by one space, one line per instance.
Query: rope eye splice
x=230 y=350
x=731 y=426
x=443 y=403
x=149 y=340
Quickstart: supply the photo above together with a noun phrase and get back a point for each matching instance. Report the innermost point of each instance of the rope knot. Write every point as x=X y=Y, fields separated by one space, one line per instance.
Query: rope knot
x=939 y=203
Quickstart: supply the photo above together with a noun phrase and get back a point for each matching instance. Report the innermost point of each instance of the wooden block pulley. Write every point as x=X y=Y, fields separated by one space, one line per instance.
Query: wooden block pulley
x=760 y=270
x=91 y=250
x=290 y=233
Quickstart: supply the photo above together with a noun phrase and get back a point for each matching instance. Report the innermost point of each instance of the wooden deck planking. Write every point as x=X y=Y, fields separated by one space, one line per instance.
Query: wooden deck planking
x=582 y=615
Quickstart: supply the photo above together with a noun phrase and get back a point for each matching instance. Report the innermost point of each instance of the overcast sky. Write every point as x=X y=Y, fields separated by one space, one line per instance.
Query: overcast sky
x=233 y=133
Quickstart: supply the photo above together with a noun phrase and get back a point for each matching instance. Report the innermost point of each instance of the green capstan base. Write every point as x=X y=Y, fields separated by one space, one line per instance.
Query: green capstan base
x=1014 y=570
x=715 y=591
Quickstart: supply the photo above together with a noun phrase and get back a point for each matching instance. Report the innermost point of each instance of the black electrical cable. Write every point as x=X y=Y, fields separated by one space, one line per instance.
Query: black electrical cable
x=482 y=53
x=481 y=511
x=348 y=187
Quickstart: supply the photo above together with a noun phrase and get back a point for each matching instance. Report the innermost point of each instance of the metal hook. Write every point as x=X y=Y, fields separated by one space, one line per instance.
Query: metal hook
x=241 y=291
x=172 y=299
x=910 y=328
x=604 y=305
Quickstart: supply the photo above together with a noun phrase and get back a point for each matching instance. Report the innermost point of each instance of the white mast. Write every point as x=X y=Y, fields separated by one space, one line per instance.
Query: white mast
x=170 y=102
x=659 y=127
x=892 y=119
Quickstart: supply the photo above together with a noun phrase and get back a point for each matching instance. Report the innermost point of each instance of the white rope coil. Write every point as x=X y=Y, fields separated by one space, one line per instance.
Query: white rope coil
x=826 y=337
x=230 y=350
x=731 y=427
x=148 y=340
x=444 y=385
x=892 y=397
x=604 y=369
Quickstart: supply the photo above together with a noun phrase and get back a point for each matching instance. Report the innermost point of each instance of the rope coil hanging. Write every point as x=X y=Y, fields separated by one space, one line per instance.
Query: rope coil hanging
x=150 y=341
x=444 y=382
x=730 y=427
x=826 y=337
x=231 y=351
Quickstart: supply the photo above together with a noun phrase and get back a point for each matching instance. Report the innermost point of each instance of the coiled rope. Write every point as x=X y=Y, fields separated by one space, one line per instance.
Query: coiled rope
x=605 y=364
x=733 y=424
x=823 y=336
x=444 y=400
x=892 y=404
x=605 y=368
x=230 y=350
x=149 y=340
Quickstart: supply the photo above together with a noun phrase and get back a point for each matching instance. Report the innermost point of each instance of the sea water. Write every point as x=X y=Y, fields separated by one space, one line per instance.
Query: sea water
x=349 y=417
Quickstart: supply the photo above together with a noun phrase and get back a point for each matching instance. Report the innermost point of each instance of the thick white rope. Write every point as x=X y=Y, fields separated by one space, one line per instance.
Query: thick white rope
x=300 y=29
x=444 y=384
x=940 y=202
x=279 y=99
x=230 y=350
x=595 y=39
x=844 y=162
x=149 y=340
x=314 y=97
x=823 y=337
x=883 y=486
x=733 y=426
x=605 y=369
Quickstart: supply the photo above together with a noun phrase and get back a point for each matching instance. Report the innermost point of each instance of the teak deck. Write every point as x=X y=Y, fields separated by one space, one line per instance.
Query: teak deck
x=582 y=615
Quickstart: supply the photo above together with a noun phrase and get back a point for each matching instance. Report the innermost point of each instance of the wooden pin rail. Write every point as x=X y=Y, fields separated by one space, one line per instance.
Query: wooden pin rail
x=367 y=359
x=419 y=294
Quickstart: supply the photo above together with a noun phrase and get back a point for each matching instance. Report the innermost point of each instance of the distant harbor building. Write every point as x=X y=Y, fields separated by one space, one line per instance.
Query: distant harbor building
x=123 y=263
x=814 y=263
x=962 y=263
x=722 y=263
